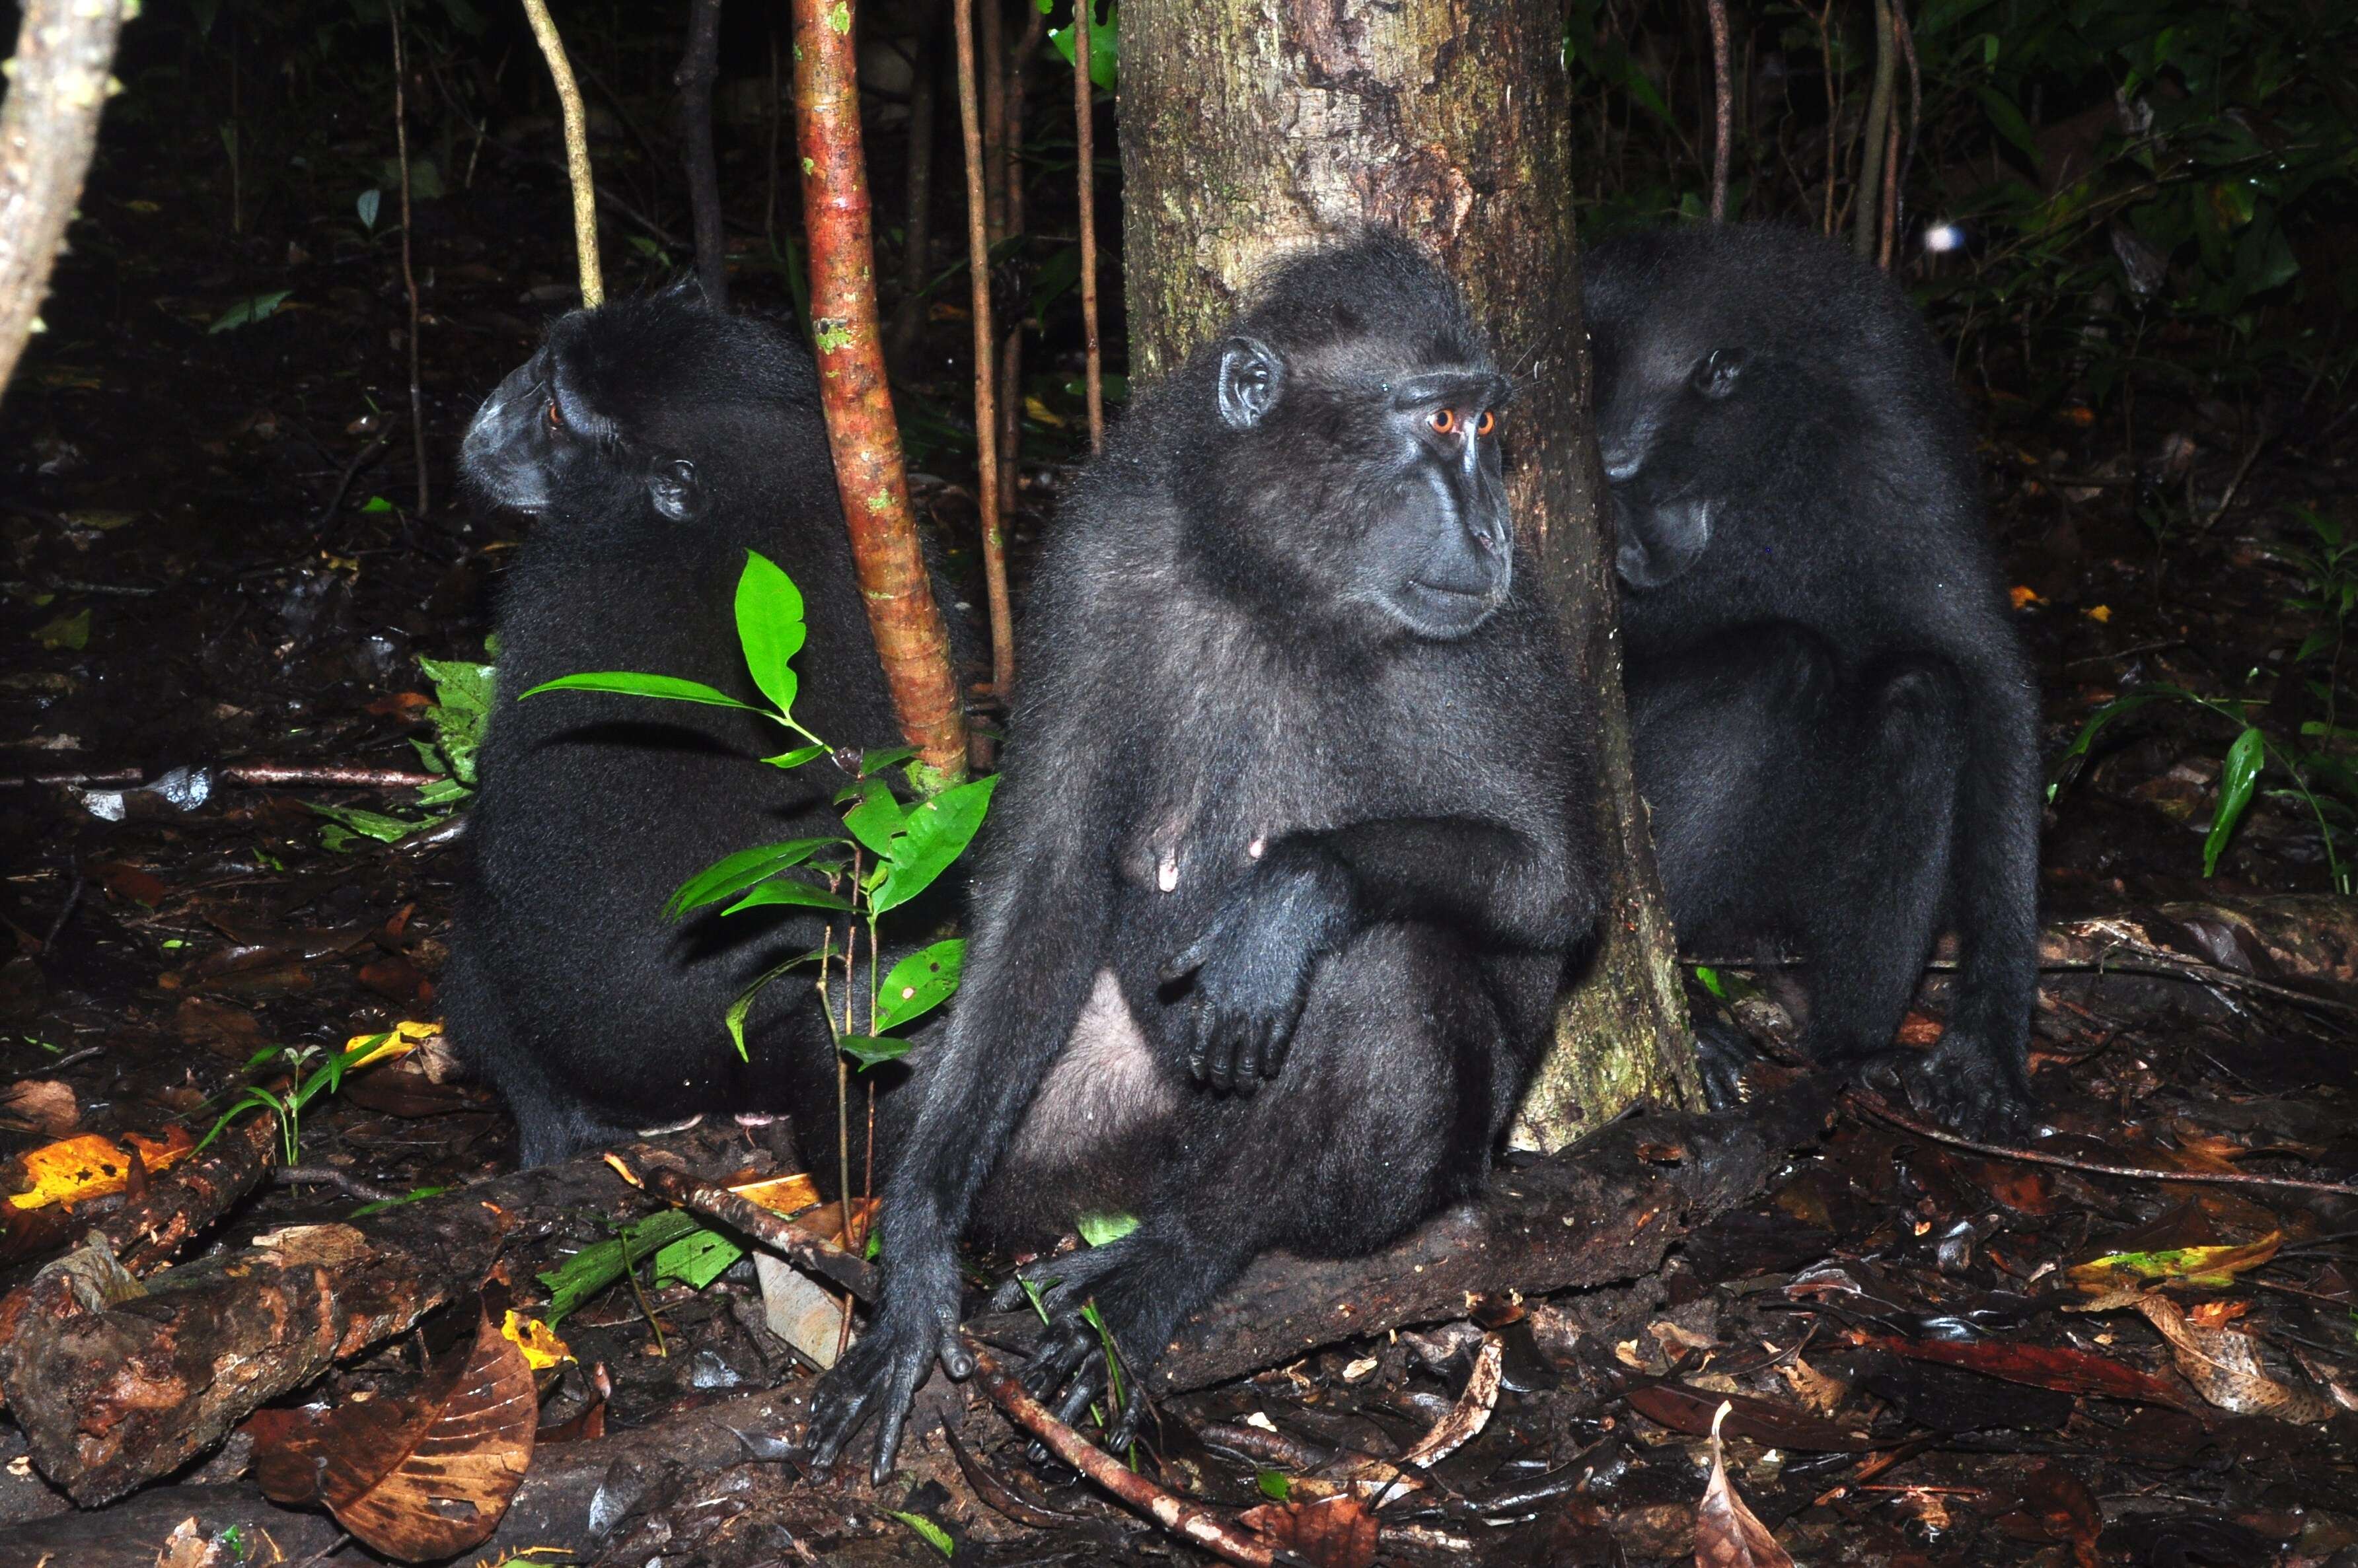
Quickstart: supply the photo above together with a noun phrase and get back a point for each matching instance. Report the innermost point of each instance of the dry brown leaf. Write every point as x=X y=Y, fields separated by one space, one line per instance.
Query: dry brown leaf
x=187 y=1547
x=2223 y=1365
x=1726 y=1533
x=1467 y=1418
x=41 y=1106
x=1333 y=1532
x=417 y=1478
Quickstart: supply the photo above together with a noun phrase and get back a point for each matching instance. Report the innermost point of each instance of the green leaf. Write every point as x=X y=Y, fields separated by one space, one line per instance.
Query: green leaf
x=595 y=1266
x=1097 y=1229
x=369 y=824
x=870 y=1050
x=740 y=872
x=2241 y=771
x=1709 y=977
x=1273 y=1484
x=2119 y=706
x=883 y=757
x=937 y=831
x=1104 y=45
x=877 y=819
x=370 y=201
x=627 y=683
x=929 y=1532
x=70 y=632
x=411 y=1196
x=786 y=889
x=919 y=983
x=697 y=1259
x=462 y=706
x=770 y=627
x=797 y=757
x=2009 y=122
x=743 y=1003
x=1942 y=15
x=247 y=311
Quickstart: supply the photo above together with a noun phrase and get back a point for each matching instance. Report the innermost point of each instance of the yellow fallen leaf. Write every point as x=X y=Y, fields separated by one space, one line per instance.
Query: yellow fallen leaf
x=2023 y=596
x=392 y=1044
x=781 y=1194
x=2213 y=1266
x=2102 y=614
x=90 y=1165
x=1043 y=413
x=542 y=1349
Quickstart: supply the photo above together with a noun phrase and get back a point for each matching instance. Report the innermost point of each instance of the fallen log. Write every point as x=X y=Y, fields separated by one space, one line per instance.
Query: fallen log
x=575 y=1493
x=116 y=1381
x=1605 y=1210
x=1608 y=1209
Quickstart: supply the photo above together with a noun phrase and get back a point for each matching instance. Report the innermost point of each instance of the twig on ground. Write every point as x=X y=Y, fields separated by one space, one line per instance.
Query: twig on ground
x=342 y=1181
x=774 y=1231
x=344 y=481
x=1173 y=1513
x=65 y=910
x=260 y=774
x=1883 y=1111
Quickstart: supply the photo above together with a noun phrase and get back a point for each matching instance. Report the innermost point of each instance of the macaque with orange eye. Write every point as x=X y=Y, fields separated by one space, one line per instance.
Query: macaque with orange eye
x=1292 y=852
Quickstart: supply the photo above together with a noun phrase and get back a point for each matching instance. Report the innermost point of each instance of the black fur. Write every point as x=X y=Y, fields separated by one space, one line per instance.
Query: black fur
x=683 y=437
x=1834 y=718
x=1297 y=801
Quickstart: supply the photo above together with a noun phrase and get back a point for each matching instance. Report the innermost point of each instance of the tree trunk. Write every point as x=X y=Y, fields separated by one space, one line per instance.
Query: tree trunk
x=1252 y=127
x=698 y=69
x=912 y=642
x=57 y=83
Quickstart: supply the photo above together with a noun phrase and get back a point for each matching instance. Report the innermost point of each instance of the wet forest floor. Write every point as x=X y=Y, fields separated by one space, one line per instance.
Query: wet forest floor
x=209 y=556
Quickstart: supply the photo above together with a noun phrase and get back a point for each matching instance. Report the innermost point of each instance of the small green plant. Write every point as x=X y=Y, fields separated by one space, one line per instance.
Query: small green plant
x=461 y=705
x=890 y=852
x=2314 y=762
x=311 y=1071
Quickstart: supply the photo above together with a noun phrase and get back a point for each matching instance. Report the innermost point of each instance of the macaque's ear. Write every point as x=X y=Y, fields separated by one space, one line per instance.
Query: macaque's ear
x=1252 y=378
x=672 y=488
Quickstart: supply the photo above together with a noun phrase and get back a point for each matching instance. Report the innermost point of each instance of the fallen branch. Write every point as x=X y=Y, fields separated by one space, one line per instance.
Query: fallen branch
x=1883 y=1111
x=252 y=775
x=116 y=1385
x=662 y=1175
x=113 y=1390
x=1173 y=1513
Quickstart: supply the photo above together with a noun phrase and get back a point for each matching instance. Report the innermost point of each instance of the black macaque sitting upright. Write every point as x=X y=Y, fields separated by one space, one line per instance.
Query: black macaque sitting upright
x=653 y=443
x=1292 y=849
x=1834 y=716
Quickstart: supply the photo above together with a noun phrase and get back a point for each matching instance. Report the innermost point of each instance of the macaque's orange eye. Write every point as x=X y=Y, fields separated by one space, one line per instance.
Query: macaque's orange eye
x=556 y=418
x=1443 y=420
x=1487 y=423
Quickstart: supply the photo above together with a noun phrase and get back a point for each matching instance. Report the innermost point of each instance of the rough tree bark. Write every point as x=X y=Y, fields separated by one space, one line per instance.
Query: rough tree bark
x=58 y=83
x=1252 y=127
x=911 y=640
